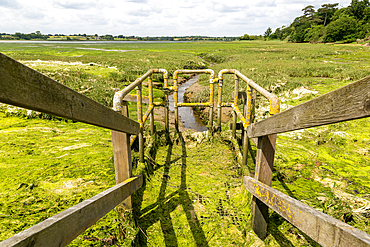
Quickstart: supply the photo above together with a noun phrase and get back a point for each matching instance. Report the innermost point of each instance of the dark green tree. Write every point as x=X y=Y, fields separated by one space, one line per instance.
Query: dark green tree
x=327 y=11
x=357 y=8
x=344 y=28
x=245 y=37
x=308 y=11
x=268 y=32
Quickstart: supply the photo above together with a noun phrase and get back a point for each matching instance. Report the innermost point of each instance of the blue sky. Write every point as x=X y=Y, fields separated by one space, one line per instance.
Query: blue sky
x=151 y=17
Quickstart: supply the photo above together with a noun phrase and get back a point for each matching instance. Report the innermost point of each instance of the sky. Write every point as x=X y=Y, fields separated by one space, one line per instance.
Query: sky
x=143 y=18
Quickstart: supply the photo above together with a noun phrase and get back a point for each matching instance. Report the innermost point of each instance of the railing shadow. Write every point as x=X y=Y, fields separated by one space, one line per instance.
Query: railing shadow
x=235 y=152
x=273 y=229
x=291 y=194
x=162 y=208
x=187 y=203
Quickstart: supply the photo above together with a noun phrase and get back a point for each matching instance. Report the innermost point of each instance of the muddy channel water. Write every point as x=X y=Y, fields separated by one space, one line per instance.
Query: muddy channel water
x=186 y=114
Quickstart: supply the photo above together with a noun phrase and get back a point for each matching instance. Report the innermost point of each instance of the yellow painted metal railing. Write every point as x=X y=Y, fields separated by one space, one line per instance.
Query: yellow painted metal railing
x=206 y=104
x=245 y=117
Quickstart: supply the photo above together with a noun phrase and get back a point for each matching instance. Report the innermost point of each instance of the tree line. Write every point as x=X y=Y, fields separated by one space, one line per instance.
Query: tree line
x=327 y=24
x=108 y=37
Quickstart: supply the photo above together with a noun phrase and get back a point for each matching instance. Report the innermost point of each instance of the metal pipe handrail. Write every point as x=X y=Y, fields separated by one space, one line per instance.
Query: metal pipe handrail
x=118 y=96
x=211 y=96
x=273 y=99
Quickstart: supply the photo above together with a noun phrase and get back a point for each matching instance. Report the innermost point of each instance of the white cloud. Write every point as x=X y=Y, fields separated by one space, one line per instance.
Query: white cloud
x=150 y=17
x=74 y=5
x=9 y=3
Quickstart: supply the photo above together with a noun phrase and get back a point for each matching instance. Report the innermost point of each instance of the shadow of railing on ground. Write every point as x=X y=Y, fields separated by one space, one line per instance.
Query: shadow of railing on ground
x=162 y=208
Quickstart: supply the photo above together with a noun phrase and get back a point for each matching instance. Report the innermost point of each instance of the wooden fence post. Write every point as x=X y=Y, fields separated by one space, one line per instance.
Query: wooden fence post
x=122 y=156
x=263 y=173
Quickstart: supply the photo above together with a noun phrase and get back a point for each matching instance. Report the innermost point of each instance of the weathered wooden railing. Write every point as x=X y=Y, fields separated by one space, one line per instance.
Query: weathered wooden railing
x=346 y=103
x=25 y=87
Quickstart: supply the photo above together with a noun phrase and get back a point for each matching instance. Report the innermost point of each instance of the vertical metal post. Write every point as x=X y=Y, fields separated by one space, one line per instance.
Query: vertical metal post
x=235 y=94
x=253 y=104
x=211 y=101
x=248 y=116
x=140 y=120
x=122 y=156
x=167 y=109
x=176 y=100
x=151 y=104
x=219 y=109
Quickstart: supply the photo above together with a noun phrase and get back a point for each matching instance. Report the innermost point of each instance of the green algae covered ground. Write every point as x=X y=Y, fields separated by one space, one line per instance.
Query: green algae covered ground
x=193 y=194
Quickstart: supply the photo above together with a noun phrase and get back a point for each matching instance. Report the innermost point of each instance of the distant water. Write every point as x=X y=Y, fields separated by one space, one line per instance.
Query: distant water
x=89 y=42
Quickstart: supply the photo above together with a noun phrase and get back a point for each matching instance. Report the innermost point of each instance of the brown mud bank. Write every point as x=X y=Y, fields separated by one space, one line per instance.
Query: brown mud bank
x=203 y=112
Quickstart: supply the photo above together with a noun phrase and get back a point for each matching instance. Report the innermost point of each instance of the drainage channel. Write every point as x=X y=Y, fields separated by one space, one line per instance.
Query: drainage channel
x=187 y=115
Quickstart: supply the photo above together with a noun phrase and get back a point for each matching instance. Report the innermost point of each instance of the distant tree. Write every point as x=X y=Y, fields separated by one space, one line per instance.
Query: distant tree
x=329 y=23
x=268 y=32
x=344 y=28
x=108 y=37
x=308 y=11
x=315 y=33
x=357 y=8
x=327 y=11
x=245 y=37
x=273 y=36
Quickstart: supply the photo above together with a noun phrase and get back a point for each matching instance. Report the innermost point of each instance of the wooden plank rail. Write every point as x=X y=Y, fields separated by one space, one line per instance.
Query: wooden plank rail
x=322 y=228
x=62 y=228
x=25 y=87
x=346 y=103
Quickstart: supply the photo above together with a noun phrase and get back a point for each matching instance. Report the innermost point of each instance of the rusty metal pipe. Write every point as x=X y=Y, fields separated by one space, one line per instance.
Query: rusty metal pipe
x=273 y=99
x=167 y=110
x=211 y=101
x=219 y=104
x=151 y=104
x=140 y=120
x=137 y=82
x=145 y=117
x=236 y=91
x=118 y=96
x=175 y=88
x=176 y=99
x=193 y=104
x=220 y=84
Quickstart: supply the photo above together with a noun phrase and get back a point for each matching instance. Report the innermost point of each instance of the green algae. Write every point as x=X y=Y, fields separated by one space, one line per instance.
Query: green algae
x=40 y=177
